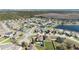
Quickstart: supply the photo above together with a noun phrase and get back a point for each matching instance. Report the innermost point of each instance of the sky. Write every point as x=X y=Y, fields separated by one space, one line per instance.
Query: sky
x=39 y=4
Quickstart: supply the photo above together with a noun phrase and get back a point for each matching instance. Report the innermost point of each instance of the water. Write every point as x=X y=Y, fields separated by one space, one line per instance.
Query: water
x=69 y=27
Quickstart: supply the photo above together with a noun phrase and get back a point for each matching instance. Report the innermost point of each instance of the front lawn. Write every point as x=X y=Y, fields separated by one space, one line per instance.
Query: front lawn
x=48 y=46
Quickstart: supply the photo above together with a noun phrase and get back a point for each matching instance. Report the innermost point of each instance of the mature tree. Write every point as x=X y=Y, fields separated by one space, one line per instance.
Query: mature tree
x=23 y=44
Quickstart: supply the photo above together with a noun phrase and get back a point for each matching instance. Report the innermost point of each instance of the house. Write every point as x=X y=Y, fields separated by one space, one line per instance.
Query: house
x=8 y=34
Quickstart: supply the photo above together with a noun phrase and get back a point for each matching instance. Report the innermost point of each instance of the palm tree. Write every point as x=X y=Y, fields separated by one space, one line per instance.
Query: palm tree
x=24 y=45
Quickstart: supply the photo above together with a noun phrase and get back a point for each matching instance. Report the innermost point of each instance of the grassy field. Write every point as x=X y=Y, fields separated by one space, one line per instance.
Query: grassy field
x=47 y=45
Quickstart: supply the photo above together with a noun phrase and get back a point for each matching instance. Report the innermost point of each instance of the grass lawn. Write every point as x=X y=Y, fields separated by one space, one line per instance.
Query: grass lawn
x=39 y=47
x=48 y=46
x=7 y=40
x=48 y=28
x=1 y=39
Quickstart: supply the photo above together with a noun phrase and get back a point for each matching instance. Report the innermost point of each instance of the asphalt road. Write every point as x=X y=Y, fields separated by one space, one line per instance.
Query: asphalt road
x=26 y=35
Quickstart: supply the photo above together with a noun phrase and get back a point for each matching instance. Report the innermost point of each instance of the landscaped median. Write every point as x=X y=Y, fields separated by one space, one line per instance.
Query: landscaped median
x=5 y=41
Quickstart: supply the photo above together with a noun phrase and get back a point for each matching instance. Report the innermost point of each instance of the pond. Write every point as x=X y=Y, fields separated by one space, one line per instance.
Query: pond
x=69 y=27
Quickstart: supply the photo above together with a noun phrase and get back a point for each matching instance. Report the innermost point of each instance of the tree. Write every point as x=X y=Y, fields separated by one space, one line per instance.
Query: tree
x=44 y=37
x=24 y=45
x=68 y=45
x=33 y=41
x=75 y=47
x=59 y=40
